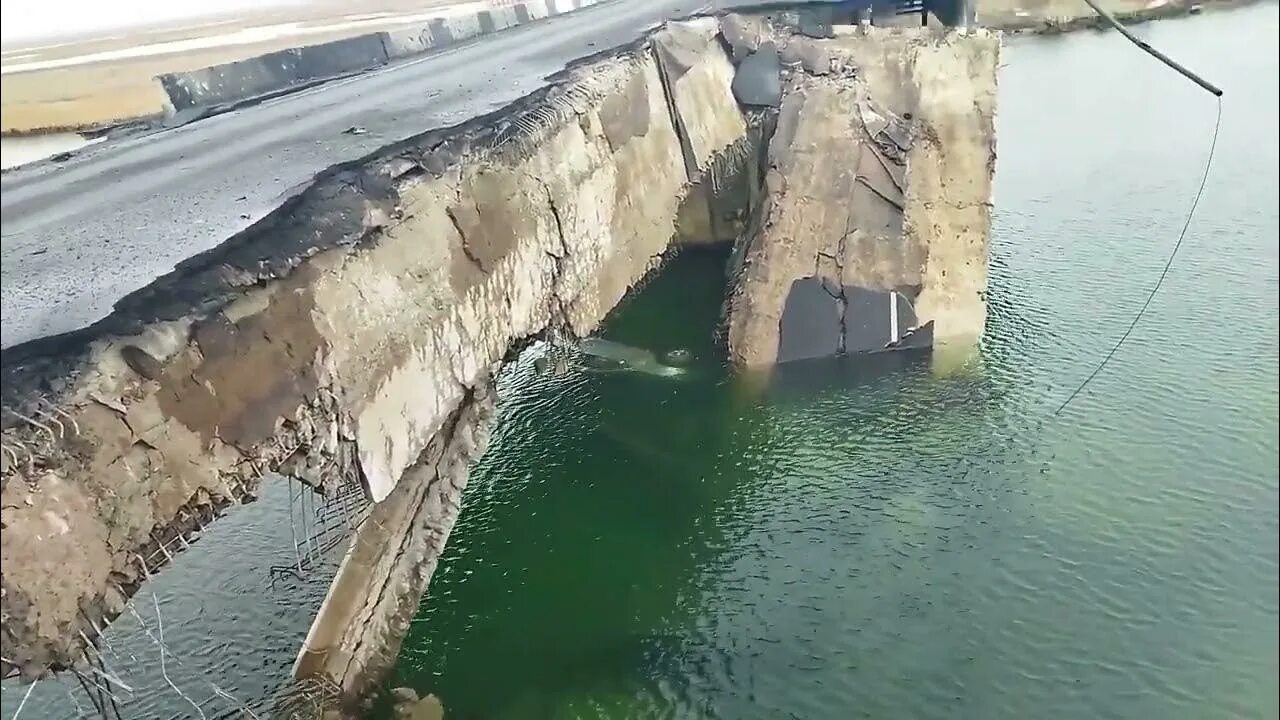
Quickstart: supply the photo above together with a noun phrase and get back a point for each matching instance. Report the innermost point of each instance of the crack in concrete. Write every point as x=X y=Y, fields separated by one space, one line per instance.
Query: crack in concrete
x=842 y=301
x=463 y=241
x=558 y=313
x=862 y=180
x=884 y=163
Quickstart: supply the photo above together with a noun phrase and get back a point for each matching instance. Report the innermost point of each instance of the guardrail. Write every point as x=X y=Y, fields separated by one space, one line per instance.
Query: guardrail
x=294 y=68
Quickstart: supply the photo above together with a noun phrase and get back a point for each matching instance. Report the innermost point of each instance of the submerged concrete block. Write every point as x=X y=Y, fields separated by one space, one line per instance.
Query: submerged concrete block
x=879 y=186
x=810 y=321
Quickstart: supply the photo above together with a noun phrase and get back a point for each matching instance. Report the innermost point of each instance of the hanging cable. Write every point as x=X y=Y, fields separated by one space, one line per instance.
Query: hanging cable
x=1204 y=178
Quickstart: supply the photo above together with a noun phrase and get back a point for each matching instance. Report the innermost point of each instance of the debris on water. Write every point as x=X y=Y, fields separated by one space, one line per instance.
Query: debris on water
x=407 y=705
x=677 y=356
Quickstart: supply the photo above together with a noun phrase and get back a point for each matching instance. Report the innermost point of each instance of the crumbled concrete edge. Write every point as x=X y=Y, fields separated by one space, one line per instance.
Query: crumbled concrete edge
x=331 y=342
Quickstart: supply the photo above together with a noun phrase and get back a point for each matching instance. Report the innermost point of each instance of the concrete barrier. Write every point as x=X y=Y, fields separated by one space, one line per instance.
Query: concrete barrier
x=411 y=41
x=273 y=72
x=284 y=69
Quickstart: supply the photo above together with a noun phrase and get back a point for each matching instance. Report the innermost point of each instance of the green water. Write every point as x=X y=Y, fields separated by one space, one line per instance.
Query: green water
x=900 y=540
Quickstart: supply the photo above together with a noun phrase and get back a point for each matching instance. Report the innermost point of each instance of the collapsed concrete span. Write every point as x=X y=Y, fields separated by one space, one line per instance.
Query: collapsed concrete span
x=351 y=338
x=873 y=230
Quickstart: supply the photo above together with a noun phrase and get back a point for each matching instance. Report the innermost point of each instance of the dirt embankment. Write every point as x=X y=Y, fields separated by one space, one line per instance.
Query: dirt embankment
x=337 y=341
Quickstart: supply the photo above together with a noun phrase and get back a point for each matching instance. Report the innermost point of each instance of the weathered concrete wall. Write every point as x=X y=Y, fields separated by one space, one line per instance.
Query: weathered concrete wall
x=878 y=239
x=348 y=338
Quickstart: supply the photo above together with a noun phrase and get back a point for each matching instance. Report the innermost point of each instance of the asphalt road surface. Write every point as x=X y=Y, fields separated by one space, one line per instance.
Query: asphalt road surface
x=81 y=234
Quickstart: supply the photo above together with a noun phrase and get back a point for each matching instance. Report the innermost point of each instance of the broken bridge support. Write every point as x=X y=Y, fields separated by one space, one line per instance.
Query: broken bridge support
x=873 y=235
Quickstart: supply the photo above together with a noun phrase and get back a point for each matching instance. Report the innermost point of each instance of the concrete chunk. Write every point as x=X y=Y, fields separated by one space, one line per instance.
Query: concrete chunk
x=758 y=81
x=698 y=74
x=744 y=33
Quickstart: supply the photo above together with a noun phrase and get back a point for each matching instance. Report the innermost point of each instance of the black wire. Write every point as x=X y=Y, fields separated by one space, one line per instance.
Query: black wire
x=1213 y=145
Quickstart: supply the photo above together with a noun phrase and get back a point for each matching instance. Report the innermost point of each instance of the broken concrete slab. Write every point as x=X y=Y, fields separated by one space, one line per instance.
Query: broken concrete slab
x=879 y=184
x=698 y=75
x=339 y=342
